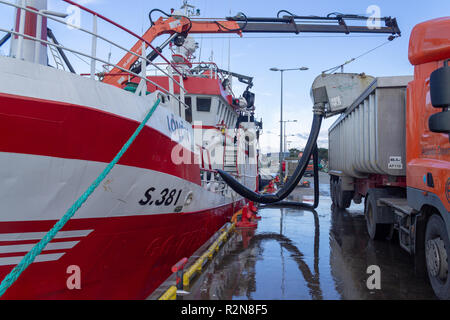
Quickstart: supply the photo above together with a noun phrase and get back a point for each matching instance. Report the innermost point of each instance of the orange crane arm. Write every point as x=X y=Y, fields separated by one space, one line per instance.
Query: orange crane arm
x=180 y=25
x=172 y=25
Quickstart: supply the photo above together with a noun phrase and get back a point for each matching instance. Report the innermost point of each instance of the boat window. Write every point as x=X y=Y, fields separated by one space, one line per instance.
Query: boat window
x=203 y=104
x=219 y=111
x=227 y=117
x=188 y=101
x=223 y=112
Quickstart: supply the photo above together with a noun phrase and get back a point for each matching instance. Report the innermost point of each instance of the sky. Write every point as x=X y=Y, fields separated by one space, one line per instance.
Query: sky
x=255 y=54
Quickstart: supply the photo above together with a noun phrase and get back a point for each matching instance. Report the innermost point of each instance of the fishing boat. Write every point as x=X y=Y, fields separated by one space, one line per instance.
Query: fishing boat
x=59 y=129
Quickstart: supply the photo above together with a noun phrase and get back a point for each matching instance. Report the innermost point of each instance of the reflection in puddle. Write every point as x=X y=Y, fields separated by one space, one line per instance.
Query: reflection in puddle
x=282 y=259
x=351 y=252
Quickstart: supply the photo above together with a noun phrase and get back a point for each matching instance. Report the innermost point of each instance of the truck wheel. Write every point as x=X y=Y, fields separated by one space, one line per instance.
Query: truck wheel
x=343 y=198
x=377 y=231
x=437 y=251
x=332 y=190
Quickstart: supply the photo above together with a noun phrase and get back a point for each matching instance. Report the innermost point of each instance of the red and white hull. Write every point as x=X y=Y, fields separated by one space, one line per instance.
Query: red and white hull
x=57 y=133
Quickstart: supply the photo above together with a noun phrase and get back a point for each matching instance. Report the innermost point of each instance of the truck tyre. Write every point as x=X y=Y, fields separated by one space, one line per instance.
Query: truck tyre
x=332 y=190
x=437 y=251
x=377 y=231
x=343 y=198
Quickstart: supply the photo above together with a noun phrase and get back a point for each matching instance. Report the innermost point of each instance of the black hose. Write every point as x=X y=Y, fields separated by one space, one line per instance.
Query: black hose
x=168 y=15
x=292 y=182
x=316 y=188
x=5 y=38
x=156 y=10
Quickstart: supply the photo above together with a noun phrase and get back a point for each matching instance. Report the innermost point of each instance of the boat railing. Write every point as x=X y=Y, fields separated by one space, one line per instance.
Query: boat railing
x=212 y=181
x=214 y=70
x=210 y=178
x=92 y=55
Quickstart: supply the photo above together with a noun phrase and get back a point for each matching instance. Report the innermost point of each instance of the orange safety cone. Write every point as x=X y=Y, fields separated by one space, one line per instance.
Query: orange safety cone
x=246 y=219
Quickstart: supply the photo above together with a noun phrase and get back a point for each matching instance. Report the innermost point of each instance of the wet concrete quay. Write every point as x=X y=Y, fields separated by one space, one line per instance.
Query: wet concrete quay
x=300 y=254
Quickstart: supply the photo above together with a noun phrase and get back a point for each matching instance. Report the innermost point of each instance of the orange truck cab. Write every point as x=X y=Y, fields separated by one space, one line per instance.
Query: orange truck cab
x=428 y=147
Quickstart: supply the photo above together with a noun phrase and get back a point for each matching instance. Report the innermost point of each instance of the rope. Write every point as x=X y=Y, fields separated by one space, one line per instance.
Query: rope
x=331 y=70
x=36 y=250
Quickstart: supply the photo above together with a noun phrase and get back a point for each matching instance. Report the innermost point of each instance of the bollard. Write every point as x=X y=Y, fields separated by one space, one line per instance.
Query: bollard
x=270 y=187
x=253 y=210
x=245 y=220
x=178 y=268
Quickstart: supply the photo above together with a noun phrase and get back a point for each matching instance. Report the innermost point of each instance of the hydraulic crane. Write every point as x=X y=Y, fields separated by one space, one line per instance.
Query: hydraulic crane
x=178 y=26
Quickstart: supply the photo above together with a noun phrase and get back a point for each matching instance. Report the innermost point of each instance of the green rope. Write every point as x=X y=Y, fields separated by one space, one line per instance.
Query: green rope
x=30 y=256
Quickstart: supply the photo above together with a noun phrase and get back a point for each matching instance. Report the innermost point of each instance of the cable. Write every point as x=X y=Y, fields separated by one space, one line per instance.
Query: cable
x=289 y=13
x=234 y=30
x=153 y=10
x=88 y=63
x=335 y=14
x=333 y=69
x=168 y=15
x=367 y=52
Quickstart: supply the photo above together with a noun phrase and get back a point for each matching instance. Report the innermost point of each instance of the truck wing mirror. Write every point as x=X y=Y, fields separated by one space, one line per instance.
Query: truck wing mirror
x=440 y=98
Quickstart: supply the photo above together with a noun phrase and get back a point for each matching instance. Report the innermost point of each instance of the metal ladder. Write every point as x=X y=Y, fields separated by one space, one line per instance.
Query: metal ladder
x=57 y=57
x=230 y=159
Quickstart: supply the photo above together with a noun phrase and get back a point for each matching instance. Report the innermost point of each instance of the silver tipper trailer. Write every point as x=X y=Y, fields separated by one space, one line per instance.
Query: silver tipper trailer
x=367 y=143
x=369 y=137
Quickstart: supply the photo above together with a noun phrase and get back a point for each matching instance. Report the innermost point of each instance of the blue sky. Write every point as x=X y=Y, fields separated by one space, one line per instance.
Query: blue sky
x=255 y=56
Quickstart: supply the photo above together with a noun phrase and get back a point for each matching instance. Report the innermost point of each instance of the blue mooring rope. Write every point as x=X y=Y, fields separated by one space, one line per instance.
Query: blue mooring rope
x=30 y=256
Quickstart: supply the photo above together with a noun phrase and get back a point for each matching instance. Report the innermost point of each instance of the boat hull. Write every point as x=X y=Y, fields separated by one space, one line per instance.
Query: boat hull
x=145 y=216
x=120 y=258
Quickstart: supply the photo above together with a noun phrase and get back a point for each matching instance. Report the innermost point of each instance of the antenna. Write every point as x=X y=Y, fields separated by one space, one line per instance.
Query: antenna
x=189 y=10
x=229 y=51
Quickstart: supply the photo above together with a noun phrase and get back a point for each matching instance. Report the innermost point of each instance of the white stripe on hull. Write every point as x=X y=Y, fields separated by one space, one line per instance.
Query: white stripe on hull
x=40 y=235
x=24 y=248
x=36 y=188
x=15 y=248
x=7 y=261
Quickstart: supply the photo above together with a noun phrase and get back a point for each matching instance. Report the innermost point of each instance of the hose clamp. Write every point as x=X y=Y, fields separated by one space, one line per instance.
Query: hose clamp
x=319 y=109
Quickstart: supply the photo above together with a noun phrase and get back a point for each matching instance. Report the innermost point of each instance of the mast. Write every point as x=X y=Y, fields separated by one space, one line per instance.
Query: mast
x=30 y=23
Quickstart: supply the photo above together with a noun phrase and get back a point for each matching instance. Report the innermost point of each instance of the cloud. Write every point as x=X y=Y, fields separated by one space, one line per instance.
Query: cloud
x=303 y=135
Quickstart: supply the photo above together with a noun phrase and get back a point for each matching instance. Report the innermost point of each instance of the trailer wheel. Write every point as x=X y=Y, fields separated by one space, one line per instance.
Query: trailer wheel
x=437 y=251
x=377 y=231
x=333 y=189
x=343 y=198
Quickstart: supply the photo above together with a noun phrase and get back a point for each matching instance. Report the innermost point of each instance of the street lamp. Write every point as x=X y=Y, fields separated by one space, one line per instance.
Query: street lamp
x=286 y=143
x=281 y=110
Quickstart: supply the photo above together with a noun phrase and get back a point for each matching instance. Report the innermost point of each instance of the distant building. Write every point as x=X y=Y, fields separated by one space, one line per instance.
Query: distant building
x=272 y=161
x=273 y=155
